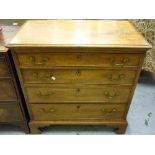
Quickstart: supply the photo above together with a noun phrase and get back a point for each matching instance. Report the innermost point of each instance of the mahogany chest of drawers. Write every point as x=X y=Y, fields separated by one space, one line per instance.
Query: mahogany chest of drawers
x=11 y=104
x=78 y=71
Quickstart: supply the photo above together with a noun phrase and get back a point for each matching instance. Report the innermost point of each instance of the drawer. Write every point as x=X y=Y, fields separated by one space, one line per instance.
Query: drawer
x=46 y=112
x=92 y=76
x=50 y=94
x=7 y=90
x=77 y=59
x=4 y=70
x=10 y=112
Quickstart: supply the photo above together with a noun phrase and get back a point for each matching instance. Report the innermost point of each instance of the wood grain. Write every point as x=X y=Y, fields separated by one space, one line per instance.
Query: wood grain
x=69 y=93
x=98 y=33
x=85 y=76
x=48 y=60
x=77 y=111
x=10 y=113
x=7 y=92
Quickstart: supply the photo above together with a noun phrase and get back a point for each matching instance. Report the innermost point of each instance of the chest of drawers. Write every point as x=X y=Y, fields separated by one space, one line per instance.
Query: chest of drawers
x=78 y=71
x=11 y=104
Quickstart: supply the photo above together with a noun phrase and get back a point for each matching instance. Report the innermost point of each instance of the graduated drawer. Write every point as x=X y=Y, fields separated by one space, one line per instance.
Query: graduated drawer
x=77 y=59
x=55 y=93
x=92 y=76
x=10 y=112
x=7 y=90
x=4 y=70
x=45 y=112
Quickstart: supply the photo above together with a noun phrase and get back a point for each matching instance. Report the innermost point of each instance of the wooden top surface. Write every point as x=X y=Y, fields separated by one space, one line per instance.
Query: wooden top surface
x=79 y=33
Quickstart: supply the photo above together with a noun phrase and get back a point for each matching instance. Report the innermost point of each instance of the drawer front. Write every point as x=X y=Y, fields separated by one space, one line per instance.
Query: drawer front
x=77 y=111
x=52 y=94
x=77 y=59
x=7 y=90
x=96 y=76
x=4 y=70
x=10 y=112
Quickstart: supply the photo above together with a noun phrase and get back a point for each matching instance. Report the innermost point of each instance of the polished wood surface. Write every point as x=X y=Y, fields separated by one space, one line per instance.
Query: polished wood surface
x=77 y=111
x=74 y=68
x=10 y=113
x=98 y=33
x=36 y=60
x=7 y=91
x=87 y=76
x=84 y=93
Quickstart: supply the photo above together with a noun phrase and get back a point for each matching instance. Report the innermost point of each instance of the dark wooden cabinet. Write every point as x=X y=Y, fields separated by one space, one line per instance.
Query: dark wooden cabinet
x=12 y=109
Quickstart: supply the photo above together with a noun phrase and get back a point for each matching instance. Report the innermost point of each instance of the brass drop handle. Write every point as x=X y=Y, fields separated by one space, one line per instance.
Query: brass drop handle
x=43 y=62
x=110 y=95
x=38 y=63
x=46 y=76
x=124 y=61
x=120 y=77
x=49 y=76
x=113 y=110
x=47 y=110
x=109 y=111
x=47 y=94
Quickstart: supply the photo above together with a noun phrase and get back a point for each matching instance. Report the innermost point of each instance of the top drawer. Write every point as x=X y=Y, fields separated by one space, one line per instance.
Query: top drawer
x=41 y=60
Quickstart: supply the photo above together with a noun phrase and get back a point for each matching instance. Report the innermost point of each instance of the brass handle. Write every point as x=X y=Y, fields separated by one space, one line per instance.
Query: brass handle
x=109 y=111
x=36 y=75
x=47 y=94
x=38 y=63
x=113 y=110
x=48 y=110
x=45 y=76
x=49 y=76
x=120 y=77
x=110 y=95
x=43 y=61
x=124 y=61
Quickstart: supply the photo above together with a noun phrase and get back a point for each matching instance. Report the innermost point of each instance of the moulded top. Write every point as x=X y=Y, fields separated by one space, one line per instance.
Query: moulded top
x=79 y=33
